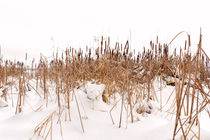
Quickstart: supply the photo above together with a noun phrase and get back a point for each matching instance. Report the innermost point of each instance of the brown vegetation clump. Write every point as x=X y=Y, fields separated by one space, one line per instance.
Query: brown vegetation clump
x=121 y=71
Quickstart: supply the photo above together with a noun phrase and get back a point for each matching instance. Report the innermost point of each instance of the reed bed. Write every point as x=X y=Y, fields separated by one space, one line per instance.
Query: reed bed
x=122 y=71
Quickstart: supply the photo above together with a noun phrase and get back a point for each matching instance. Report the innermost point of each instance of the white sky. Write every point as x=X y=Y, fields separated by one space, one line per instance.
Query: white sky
x=35 y=26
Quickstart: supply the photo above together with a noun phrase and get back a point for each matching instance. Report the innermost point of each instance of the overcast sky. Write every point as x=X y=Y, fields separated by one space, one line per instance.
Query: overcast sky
x=40 y=26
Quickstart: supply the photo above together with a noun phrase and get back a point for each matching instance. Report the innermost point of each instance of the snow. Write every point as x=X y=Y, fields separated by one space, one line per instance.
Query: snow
x=46 y=26
x=94 y=91
x=97 y=122
x=3 y=103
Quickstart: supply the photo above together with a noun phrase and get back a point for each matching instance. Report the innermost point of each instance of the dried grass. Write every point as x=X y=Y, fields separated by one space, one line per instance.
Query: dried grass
x=122 y=72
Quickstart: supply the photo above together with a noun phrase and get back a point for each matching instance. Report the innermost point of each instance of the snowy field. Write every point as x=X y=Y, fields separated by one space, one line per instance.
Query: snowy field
x=95 y=116
x=43 y=27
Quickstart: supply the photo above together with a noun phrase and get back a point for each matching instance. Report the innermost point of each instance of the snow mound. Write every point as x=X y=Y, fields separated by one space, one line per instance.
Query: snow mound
x=146 y=107
x=3 y=103
x=94 y=91
x=94 y=96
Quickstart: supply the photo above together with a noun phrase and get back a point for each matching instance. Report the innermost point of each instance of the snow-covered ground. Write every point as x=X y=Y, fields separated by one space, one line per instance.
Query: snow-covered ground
x=97 y=122
x=44 y=26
